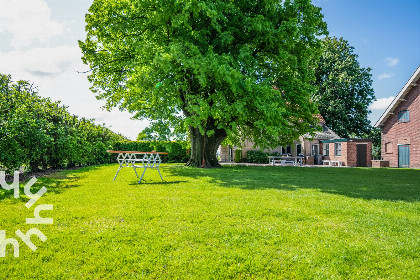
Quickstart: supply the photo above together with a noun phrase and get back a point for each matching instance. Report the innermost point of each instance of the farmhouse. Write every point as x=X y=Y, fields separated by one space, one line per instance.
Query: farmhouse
x=400 y=126
x=321 y=146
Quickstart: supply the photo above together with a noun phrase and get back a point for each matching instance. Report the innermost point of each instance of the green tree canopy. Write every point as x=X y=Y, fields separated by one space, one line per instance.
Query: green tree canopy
x=214 y=68
x=344 y=89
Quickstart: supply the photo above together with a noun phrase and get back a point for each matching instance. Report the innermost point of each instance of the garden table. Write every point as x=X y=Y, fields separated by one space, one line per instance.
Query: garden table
x=130 y=158
x=285 y=159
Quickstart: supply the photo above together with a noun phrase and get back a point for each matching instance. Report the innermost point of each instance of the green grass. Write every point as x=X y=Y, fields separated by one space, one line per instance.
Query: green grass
x=234 y=222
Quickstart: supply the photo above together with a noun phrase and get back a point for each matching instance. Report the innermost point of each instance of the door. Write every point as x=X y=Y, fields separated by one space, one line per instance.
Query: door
x=298 y=149
x=315 y=152
x=361 y=153
x=403 y=155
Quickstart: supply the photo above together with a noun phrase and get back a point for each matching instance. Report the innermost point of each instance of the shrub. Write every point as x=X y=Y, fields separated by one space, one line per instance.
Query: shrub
x=238 y=155
x=38 y=133
x=256 y=156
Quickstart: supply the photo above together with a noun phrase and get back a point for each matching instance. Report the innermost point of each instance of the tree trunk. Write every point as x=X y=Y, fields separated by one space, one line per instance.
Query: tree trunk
x=204 y=148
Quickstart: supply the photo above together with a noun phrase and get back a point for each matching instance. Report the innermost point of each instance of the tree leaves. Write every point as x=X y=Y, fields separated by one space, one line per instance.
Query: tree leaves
x=344 y=89
x=246 y=65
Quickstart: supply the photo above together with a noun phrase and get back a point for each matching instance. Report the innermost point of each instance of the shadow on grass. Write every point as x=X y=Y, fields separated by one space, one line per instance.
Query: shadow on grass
x=143 y=182
x=367 y=183
x=56 y=183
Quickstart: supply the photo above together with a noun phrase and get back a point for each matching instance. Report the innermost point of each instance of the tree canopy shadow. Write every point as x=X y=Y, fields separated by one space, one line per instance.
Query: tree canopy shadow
x=153 y=182
x=368 y=183
x=56 y=182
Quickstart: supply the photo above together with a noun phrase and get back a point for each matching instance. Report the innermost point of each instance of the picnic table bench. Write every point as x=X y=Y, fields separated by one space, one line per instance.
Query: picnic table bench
x=332 y=162
x=285 y=160
x=131 y=158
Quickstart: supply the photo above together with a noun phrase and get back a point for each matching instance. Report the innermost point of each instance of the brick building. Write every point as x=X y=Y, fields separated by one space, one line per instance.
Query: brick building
x=322 y=145
x=308 y=145
x=352 y=152
x=400 y=126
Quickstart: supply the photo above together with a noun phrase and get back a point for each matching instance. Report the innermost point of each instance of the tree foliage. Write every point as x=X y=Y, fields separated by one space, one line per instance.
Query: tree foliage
x=344 y=89
x=39 y=134
x=214 y=68
x=145 y=135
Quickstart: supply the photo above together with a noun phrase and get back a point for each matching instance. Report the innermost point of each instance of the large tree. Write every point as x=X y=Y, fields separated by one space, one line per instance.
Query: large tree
x=215 y=68
x=344 y=89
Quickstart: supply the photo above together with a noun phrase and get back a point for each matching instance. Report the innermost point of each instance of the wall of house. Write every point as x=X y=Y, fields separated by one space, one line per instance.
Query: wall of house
x=224 y=153
x=396 y=133
x=352 y=153
x=349 y=153
x=247 y=146
x=344 y=154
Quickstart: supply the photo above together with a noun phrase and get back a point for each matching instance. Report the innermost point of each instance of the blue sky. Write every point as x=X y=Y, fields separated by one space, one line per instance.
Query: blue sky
x=386 y=37
x=38 y=42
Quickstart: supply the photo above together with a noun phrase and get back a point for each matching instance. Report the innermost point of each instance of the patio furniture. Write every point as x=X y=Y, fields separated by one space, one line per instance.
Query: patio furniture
x=336 y=163
x=285 y=160
x=332 y=162
x=131 y=158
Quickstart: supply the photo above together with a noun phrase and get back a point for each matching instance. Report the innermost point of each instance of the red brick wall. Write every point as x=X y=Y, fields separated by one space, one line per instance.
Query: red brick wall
x=349 y=153
x=403 y=133
x=352 y=153
x=343 y=156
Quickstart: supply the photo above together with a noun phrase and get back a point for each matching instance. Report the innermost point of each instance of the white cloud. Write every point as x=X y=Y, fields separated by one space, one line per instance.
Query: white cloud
x=381 y=103
x=392 y=61
x=385 y=76
x=42 y=62
x=28 y=21
x=55 y=73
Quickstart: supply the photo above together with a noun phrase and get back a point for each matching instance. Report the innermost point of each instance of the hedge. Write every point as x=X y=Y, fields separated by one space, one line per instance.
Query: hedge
x=37 y=133
x=258 y=156
x=238 y=155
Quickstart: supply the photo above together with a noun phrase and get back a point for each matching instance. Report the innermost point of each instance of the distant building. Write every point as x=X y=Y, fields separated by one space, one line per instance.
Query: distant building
x=322 y=145
x=352 y=152
x=400 y=126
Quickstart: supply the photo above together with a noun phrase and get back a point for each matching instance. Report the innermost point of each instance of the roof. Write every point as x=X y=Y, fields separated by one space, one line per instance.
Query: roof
x=400 y=97
x=347 y=140
x=325 y=134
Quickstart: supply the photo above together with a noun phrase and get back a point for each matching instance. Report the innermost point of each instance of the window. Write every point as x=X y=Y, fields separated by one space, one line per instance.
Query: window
x=388 y=148
x=298 y=149
x=286 y=150
x=326 y=149
x=314 y=150
x=337 y=147
x=404 y=116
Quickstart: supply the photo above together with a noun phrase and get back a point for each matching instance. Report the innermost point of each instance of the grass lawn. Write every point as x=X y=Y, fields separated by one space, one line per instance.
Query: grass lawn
x=234 y=222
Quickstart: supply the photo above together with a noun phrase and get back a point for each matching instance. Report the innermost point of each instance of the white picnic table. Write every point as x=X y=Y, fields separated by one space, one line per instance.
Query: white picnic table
x=332 y=162
x=285 y=160
x=131 y=158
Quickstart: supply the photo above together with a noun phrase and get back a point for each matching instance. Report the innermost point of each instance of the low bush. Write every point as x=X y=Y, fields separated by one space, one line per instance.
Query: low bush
x=256 y=156
x=238 y=155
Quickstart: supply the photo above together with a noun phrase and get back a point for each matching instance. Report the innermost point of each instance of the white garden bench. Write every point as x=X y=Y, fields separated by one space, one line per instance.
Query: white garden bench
x=332 y=162
x=283 y=160
x=130 y=158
